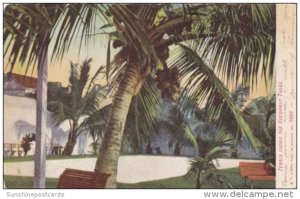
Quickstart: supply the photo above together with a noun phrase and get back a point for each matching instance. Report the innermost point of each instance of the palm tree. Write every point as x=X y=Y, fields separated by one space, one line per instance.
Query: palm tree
x=28 y=30
x=237 y=40
x=218 y=40
x=78 y=103
x=210 y=148
x=27 y=34
x=260 y=114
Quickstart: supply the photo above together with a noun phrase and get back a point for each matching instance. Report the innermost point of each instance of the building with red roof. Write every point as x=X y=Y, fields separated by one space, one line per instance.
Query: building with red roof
x=19 y=85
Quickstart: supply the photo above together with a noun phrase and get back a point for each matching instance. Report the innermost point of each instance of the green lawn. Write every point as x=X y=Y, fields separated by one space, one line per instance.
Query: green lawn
x=232 y=175
x=21 y=182
x=177 y=182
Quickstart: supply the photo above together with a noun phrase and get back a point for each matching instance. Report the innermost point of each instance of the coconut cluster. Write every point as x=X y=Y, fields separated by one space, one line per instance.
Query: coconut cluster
x=168 y=82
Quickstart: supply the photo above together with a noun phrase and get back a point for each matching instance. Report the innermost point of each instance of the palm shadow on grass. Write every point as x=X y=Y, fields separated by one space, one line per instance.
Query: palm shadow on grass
x=233 y=175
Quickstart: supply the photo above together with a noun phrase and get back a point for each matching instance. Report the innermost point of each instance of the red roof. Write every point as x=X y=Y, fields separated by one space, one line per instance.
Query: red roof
x=26 y=81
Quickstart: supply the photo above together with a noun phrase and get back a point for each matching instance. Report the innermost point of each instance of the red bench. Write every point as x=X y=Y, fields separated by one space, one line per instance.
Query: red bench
x=78 y=179
x=256 y=171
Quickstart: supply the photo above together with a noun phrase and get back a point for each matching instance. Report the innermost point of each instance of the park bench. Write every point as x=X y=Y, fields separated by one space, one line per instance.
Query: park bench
x=11 y=149
x=78 y=179
x=256 y=171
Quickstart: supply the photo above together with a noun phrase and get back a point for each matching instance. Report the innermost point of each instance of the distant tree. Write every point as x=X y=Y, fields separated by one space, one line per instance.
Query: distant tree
x=77 y=103
x=25 y=143
x=56 y=90
x=174 y=121
x=260 y=114
x=177 y=149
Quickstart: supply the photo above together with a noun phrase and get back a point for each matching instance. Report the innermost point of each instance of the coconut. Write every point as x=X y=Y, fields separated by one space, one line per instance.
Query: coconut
x=174 y=88
x=175 y=96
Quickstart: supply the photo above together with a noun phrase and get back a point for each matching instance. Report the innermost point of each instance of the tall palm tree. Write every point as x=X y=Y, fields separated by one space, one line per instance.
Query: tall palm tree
x=28 y=30
x=78 y=103
x=227 y=43
x=236 y=39
x=27 y=34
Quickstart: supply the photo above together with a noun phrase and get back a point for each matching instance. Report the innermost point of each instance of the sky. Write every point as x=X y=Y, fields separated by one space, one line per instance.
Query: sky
x=59 y=72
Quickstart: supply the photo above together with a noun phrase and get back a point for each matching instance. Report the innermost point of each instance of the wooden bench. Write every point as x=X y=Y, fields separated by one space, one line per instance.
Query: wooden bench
x=256 y=171
x=78 y=179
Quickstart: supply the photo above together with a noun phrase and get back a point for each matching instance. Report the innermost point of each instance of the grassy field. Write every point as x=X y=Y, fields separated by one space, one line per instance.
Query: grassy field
x=21 y=182
x=232 y=175
x=171 y=183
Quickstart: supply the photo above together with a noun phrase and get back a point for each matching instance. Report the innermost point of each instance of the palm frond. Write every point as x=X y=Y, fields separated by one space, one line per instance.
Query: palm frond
x=61 y=111
x=271 y=108
x=244 y=43
x=208 y=88
x=74 y=74
x=215 y=153
x=188 y=103
x=134 y=31
x=142 y=115
x=148 y=12
x=26 y=26
x=84 y=74
x=100 y=70
x=188 y=133
x=77 y=20
x=96 y=122
x=196 y=163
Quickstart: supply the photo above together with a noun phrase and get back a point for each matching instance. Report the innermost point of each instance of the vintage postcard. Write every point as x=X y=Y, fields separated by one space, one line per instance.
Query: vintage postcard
x=149 y=96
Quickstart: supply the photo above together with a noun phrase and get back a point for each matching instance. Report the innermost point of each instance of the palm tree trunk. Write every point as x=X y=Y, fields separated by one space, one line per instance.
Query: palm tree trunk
x=107 y=161
x=72 y=138
x=41 y=121
x=234 y=153
x=94 y=145
x=68 y=150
